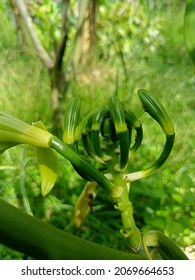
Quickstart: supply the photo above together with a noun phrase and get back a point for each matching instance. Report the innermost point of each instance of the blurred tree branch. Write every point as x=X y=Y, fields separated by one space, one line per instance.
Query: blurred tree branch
x=41 y=51
x=53 y=63
x=86 y=33
x=60 y=77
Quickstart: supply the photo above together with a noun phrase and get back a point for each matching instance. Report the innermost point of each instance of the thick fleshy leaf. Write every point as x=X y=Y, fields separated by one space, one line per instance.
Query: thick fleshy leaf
x=48 y=165
x=156 y=245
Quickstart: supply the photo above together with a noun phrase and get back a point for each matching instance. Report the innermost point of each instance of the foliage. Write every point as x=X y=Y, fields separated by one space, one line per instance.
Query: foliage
x=121 y=25
x=47 y=19
x=6 y=41
x=17 y=70
x=189 y=24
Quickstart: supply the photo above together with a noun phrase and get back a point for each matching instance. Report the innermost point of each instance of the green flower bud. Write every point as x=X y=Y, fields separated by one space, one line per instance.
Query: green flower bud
x=117 y=114
x=71 y=119
x=156 y=110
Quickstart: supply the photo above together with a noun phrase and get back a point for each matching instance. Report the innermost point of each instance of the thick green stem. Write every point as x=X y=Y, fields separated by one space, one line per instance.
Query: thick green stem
x=81 y=164
x=40 y=240
x=121 y=197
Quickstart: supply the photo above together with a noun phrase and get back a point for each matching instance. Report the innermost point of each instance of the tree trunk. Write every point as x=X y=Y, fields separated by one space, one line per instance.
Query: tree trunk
x=59 y=79
x=84 y=49
x=24 y=38
x=89 y=34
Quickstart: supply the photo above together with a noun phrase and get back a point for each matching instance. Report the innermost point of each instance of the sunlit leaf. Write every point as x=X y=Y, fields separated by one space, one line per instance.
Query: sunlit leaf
x=48 y=165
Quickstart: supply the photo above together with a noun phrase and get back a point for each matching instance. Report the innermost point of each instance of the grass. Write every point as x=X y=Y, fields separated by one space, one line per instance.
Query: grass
x=164 y=201
x=22 y=90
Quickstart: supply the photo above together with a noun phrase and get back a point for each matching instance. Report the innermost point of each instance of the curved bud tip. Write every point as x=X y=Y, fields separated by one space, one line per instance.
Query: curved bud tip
x=117 y=113
x=156 y=110
x=71 y=120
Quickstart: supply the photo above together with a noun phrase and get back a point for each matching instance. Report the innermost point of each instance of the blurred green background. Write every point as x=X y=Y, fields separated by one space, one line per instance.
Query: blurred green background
x=139 y=44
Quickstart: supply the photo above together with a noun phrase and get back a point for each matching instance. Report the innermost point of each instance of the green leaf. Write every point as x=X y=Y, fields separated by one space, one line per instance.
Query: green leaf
x=157 y=245
x=48 y=165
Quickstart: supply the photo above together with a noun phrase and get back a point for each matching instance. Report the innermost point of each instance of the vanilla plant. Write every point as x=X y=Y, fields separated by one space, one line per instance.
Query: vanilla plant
x=99 y=148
